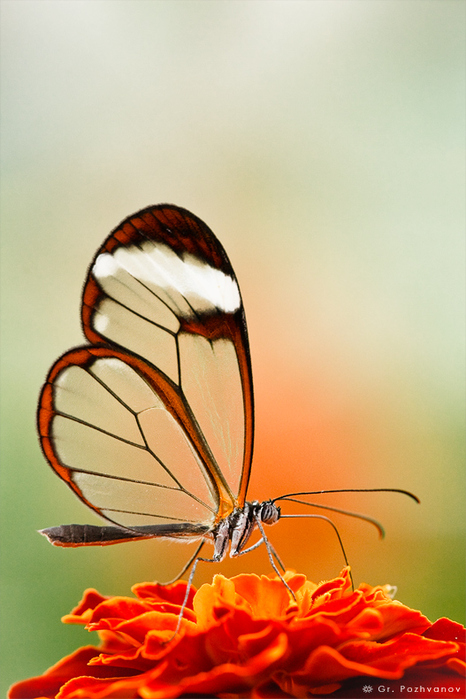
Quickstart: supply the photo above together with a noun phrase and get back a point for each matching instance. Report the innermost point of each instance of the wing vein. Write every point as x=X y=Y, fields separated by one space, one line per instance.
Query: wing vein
x=145 y=514
x=101 y=429
x=143 y=447
x=109 y=390
x=135 y=313
x=135 y=480
x=152 y=453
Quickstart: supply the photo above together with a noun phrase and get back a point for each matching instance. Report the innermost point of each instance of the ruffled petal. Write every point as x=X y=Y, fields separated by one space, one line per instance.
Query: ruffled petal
x=246 y=637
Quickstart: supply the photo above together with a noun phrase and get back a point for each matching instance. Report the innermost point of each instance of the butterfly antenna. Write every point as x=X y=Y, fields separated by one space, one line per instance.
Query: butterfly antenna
x=358 y=515
x=350 y=490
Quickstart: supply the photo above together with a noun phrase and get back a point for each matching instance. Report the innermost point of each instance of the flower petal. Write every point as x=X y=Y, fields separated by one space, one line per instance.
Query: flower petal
x=48 y=684
x=83 y=612
x=245 y=637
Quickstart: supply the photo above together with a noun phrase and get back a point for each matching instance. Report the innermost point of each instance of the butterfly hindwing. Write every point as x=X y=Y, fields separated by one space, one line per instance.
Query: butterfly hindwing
x=120 y=437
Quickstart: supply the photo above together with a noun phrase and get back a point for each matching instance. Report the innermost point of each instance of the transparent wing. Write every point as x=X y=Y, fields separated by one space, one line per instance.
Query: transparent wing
x=162 y=288
x=122 y=437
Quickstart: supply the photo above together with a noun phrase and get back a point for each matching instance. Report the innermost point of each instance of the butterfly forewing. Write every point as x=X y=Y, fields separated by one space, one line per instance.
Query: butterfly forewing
x=153 y=423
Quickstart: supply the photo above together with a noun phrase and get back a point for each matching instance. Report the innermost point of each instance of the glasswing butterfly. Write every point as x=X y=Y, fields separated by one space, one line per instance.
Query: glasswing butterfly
x=151 y=424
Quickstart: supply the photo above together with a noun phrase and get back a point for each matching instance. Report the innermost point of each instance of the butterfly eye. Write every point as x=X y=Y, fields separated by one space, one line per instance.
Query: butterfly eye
x=269 y=513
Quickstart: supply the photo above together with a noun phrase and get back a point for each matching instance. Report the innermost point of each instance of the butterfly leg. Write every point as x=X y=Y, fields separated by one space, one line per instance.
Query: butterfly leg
x=270 y=553
x=186 y=567
x=188 y=587
x=258 y=543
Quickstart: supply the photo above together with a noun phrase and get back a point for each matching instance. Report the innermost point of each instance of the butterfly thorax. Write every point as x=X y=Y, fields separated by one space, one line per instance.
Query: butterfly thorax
x=237 y=528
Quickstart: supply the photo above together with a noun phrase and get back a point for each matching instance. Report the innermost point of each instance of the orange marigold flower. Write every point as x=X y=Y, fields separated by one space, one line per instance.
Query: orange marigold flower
x=245 y=637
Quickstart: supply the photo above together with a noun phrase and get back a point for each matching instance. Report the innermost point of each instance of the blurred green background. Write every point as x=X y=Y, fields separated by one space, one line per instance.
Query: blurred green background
x=323 y=142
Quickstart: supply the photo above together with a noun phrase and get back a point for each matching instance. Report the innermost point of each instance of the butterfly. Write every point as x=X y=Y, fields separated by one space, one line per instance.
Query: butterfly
x=151 y=423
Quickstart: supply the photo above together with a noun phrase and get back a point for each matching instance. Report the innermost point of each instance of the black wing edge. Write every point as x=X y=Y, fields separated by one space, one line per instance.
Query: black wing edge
x=91 y=535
